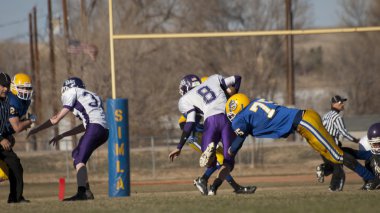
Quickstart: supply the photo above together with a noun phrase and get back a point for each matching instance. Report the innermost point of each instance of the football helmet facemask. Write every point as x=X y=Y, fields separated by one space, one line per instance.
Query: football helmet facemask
x=187 y=83
x=21 y=86
x=72 y=82
x=235 y=104
x=373 y=135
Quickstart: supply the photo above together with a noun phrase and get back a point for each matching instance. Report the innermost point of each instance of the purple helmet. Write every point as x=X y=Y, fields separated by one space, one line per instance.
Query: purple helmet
x=373 y=135
x=72 y=82
x=188 y=82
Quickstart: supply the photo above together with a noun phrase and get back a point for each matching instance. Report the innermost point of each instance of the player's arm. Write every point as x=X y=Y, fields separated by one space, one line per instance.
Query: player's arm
x=51 y=122
x=186 y=132
x=342 y=129
x=241 y=130
x=236 y=145
x=74 y=131
x=19 y=125
x=231 y=84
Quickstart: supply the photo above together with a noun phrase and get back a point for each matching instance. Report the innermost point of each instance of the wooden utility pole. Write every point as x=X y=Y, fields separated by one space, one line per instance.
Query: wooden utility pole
x=36 y=83
x=289 y=60
x=84 y=24
x=289 y=55
x=83 y=17
x=33 y=74
x=52 y=67
x=68 y=58
x=31 y=46
x=67 y=37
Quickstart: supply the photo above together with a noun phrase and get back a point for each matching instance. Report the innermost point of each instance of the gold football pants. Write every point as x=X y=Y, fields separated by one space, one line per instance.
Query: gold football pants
x=312 y=129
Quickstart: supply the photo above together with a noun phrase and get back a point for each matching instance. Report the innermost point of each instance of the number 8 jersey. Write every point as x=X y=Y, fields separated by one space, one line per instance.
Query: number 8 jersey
x=86 y=105
x=207 y=98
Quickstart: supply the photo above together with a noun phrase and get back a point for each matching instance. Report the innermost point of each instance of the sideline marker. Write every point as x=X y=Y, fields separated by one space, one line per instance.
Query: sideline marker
x=61 y=193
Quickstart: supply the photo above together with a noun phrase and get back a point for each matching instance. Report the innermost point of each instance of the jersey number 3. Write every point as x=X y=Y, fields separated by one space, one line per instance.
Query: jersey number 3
x=95 y=102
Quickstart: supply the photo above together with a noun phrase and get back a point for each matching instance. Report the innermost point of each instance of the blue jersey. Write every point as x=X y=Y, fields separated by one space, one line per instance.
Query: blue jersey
x=17 y=108
x=264 y=119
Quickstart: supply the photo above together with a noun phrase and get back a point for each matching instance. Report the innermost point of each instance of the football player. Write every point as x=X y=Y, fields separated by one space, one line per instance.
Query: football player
x=209 y=99
x=19 y=101
x=87 y=106
x=265 y=119
x=194 y=141
x=371 y=142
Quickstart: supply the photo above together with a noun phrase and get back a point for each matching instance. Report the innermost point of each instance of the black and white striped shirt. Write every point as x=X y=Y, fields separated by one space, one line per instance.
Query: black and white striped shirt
x=4 y=114
x=334 y=124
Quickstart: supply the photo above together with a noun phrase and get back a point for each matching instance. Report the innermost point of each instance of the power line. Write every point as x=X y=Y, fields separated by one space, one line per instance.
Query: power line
x=13 y=23
x=20 y=21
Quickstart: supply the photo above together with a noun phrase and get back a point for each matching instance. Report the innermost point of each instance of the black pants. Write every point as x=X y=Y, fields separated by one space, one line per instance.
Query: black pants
x=16 y=181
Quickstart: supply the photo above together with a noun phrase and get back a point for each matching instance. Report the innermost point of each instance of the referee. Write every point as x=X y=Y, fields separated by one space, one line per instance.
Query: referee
x=333 y=122
x=16 y=182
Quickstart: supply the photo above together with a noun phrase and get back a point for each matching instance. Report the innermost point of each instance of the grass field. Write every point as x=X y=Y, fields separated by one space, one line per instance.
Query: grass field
x=293 y=196
x=286 y=183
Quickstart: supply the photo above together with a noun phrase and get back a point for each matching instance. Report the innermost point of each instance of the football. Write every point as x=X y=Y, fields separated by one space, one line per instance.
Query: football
x=231 y=91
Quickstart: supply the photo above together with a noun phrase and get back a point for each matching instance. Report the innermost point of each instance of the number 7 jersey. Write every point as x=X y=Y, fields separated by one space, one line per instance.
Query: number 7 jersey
x=85 y=105
x=208 y=98
x=264 y=119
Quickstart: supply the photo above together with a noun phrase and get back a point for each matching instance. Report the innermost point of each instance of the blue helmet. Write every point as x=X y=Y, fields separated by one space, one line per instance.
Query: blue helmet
x=188 y=82
x=72 y=82
x=373 y=135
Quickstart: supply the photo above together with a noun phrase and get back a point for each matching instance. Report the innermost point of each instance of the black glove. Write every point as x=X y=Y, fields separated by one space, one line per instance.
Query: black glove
x=375 y=165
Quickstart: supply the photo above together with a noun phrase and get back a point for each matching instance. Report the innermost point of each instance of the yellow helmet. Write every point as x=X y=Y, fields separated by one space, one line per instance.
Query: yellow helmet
x=235 y=104
x=204 y=78
x=21 y=86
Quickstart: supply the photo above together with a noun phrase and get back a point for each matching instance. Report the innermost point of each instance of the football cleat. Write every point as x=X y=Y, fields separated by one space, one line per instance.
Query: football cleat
x=208 y=156
x=80 y=196
x=335 y=189
x=89 y=195
x=22 y=200
x=245 y=190
x=320 y=173
x=201 y=184
x=212 y=191
x=372 y=184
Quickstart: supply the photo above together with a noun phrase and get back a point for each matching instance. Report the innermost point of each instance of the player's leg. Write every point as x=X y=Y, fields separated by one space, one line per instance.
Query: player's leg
x=15 y=175
x=239 y=189
x=317 y=136
x=227 y=136
x=338 y=178
x=358 y=154
x=210 y=138
x=95 y=136
x=311 y=128
x=201 y=182
x=324 y=169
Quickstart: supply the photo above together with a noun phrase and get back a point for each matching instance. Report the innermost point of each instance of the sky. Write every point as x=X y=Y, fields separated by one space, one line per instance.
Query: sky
x=14 y=16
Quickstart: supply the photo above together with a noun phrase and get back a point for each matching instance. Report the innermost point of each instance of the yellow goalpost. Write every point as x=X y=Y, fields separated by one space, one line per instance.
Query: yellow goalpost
x=217 y=35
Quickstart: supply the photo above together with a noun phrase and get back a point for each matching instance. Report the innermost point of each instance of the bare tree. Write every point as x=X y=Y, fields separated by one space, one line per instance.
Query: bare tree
x=356 y=60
